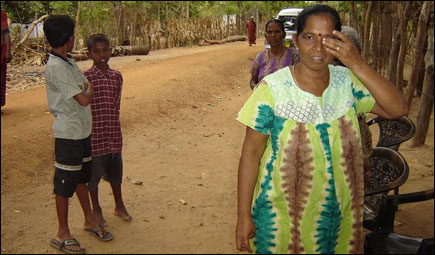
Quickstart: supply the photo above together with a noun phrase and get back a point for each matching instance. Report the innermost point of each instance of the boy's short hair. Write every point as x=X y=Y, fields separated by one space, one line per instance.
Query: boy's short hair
x=58 y=29
x=96 y=38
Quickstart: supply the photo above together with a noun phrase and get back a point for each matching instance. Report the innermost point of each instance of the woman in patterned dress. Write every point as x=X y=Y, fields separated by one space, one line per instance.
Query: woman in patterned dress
x=270 y=60
x=300 y=179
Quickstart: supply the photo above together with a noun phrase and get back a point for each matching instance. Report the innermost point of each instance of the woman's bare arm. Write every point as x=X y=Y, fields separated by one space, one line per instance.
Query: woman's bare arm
x=390 y=101
x=252 y=152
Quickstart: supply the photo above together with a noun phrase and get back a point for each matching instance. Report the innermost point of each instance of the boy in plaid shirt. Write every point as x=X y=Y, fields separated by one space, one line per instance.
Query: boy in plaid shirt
x=106 y=137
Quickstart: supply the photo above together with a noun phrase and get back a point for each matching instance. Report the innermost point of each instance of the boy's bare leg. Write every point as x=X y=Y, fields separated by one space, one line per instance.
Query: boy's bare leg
x=96 y=208
x=120 y=209
x=82 y=194
x=63 y=232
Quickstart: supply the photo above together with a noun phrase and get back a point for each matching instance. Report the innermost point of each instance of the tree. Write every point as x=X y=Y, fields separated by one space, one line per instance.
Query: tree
x=376 y=22
x=385 y=35
x=77 y=29
x=419 y=44
x=367 y=23
x=427 y=100
x=25 y=12
x=399 y=42
x=353 y=19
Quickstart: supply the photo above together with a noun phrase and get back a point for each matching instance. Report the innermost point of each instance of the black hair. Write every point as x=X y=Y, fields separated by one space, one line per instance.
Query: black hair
x=277 y=21
x=96 y=38
x=58 y=29
x=316 y=10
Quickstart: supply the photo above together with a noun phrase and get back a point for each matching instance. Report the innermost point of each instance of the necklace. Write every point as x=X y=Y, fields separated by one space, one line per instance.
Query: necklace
x=275 y=56
x=294 y=76
x=299 y=86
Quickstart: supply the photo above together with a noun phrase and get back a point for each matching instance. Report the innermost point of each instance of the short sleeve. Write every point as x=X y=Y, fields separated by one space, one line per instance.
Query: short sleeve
x=257 y=112
x=65 y=81
x=364 y=101
x=255 y=67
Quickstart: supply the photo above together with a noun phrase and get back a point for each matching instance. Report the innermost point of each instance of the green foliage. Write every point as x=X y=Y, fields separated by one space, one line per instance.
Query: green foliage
x=24 y=11
x=63 y=7
x=27 y=11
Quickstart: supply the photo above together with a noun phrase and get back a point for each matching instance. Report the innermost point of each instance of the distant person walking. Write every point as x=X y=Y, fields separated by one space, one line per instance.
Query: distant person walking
x=6 y=56
x=251 y=27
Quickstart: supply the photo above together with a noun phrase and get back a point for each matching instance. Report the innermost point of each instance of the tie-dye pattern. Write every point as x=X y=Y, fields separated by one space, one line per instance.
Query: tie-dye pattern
x=309 y=193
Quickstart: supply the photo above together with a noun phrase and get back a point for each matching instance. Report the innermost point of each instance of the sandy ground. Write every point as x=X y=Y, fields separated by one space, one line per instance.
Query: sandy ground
x=181 y=141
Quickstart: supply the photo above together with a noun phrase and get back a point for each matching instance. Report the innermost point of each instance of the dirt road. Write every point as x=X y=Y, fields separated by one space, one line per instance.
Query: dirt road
x=181 y=141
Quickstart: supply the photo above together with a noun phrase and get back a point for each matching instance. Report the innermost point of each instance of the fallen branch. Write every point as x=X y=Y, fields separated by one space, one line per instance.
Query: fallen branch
x=116 y=51
x=31 y=29
x=222 y=41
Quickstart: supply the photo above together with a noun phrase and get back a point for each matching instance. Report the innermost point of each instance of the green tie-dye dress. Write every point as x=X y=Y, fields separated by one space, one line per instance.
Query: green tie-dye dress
x=309 y=193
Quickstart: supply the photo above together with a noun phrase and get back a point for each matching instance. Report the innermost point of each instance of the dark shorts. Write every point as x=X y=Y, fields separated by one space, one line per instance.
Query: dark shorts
x=108 y=166
x=73 y=165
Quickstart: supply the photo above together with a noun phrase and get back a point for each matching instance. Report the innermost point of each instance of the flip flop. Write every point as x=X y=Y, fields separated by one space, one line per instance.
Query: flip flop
x=100 y=233
x=63 y=246
x=124 y=216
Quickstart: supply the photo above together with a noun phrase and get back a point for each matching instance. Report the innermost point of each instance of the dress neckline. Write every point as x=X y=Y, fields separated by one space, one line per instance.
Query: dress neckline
x=293 y=78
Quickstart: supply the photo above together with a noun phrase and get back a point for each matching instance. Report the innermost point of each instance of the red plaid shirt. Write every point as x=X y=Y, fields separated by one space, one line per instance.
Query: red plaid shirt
x=106 y=134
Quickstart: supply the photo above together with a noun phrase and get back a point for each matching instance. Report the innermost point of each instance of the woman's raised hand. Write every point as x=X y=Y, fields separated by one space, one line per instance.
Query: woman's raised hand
x=343 y=48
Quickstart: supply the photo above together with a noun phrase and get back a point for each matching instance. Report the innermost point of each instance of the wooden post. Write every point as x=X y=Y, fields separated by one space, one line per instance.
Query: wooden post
x=427 y=100
x=77 y=28
x=367 y=23
x=374 y=35
x=403 y=45
x=419 y=44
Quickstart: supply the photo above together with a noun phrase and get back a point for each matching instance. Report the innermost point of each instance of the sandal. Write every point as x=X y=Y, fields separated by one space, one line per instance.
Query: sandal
x=100 y=233
x=63 y=246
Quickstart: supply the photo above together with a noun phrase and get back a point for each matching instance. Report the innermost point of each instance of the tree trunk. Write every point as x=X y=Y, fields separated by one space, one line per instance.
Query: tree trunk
x=385 y=38
x=233 y=38
x=367 y=23
x=395 y=49
x=132 y=30
x=419 y=44
x=120 y=24
x=375 y=34
x=403 y=45
x=257 y=20
x=166 y=15
x=228 y=25
x=239 y=18
x=187 y=10
x=416 y=16
x=362 y=26
x=353 y=16
x=420 y=81
x=158 y=13
x=427 y=100
x=181 y=11
x=77 y=28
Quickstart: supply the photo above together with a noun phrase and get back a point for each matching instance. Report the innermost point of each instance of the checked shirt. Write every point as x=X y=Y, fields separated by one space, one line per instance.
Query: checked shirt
x=106 y=134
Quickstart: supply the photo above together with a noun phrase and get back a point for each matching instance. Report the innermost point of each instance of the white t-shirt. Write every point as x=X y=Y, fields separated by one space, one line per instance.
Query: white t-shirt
x=64 y=80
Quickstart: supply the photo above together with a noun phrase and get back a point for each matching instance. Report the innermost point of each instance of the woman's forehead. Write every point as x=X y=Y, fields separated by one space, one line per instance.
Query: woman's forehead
x=273 y=25
x=319 y=24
